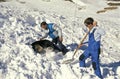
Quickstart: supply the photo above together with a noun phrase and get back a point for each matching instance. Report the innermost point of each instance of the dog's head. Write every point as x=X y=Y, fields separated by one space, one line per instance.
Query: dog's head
x=38 y=48
x=42 y=45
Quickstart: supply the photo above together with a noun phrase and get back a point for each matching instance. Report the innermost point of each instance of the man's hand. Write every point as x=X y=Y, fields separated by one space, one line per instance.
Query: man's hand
x=61 y=39
x=80 y=45
x=41 y=39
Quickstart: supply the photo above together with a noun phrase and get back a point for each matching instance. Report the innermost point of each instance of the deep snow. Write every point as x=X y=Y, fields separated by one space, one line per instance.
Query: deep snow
x=19 y=27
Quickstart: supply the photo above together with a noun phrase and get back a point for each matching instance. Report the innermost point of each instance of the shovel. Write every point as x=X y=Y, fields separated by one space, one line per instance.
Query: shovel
x=82 y=40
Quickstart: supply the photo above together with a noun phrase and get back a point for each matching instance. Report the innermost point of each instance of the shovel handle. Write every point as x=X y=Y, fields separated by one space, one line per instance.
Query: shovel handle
x=80 y=43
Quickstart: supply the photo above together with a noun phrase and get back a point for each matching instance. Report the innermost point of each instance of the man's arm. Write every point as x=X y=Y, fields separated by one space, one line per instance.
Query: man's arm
x=44 y=34
x=59 y=30
x=98 y=33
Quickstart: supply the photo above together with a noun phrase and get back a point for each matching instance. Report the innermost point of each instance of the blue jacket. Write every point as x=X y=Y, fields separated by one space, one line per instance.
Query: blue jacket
x=51 y=30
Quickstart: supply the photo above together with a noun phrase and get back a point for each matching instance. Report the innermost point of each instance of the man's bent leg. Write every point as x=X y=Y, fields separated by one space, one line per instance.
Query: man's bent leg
x=83 y=57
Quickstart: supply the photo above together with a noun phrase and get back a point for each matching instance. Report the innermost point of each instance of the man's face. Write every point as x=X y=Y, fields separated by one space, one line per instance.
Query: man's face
x=44 y=27
x=89 y=25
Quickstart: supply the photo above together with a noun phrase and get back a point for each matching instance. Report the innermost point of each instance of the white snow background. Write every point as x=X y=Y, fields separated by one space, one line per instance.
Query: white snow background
x=19 y=27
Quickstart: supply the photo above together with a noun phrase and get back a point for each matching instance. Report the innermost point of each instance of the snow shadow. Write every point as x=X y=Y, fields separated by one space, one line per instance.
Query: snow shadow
x=73 y=46
x=113 y=67
x=87 y=64
x=31 y=20
x=58 y=57
x=2 y=19
x=3 y=67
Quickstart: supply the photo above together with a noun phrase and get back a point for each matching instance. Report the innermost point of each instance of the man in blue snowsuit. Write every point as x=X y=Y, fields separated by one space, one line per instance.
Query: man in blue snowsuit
x=55 y=33
x=93 y=49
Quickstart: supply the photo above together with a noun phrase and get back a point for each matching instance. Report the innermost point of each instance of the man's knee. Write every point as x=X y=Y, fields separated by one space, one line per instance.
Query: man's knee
x=81 y=57
x=94 y=65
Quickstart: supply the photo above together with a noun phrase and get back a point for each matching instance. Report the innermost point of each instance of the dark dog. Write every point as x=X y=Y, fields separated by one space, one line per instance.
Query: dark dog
x=39 y=46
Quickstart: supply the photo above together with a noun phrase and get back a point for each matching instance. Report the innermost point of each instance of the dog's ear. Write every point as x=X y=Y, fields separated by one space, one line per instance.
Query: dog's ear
x=32 y=44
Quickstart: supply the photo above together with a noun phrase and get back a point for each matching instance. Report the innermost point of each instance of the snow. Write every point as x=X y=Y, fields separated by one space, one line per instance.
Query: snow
x=19 y=27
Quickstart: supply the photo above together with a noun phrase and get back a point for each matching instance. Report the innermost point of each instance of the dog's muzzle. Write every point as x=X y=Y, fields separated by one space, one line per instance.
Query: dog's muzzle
x=38 y=48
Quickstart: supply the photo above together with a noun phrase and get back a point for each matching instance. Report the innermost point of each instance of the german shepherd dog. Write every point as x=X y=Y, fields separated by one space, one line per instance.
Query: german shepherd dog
x=39 y=46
